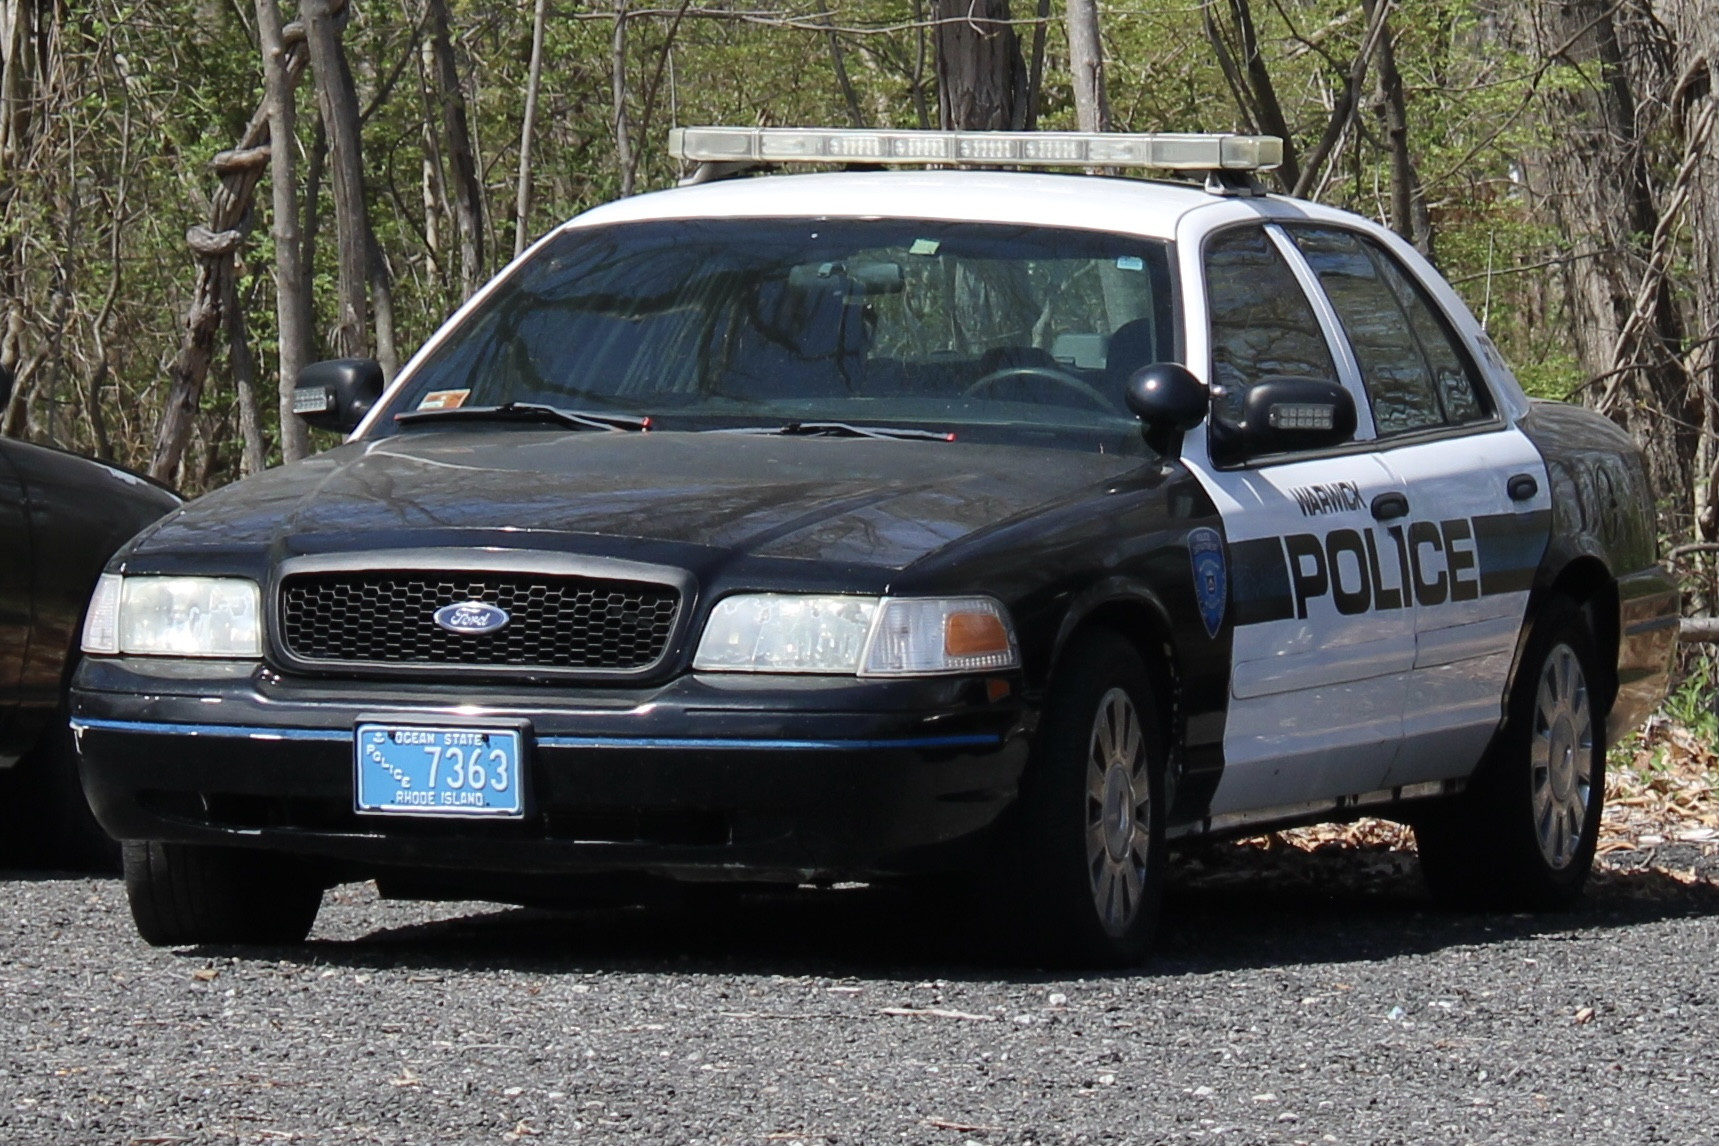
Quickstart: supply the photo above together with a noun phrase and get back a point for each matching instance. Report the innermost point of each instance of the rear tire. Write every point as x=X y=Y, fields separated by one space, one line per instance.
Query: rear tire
x=1090 y=855
x=1523 y=836
x=183 y=894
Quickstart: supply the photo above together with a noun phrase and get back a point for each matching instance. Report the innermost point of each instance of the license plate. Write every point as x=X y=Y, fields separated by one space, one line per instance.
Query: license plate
x=438 y=770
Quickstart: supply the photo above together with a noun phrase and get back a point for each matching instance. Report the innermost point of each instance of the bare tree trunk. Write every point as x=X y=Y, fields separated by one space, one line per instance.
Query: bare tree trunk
x=1236 y=45
x=1086 y=66
x=21 y=80
x=382 y=299
x=522 y=201
x=1695 y=100
x=101 y=329
x=1409 y=217
x=618 y=85
x=920 y=110
x=214 y=246
x=855 y=117
x=1597 y=184
x=1036 y=66
x=981 y=78
x=255 y=457
x=311 y=219
x=291 y=303
x=339 y=102
x=462 y=164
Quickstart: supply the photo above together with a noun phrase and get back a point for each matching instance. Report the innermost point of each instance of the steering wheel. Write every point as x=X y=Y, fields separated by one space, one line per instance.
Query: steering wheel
x=1051 y=374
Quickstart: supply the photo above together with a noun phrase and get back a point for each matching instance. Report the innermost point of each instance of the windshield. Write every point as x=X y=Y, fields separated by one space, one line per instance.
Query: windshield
x=740 y=323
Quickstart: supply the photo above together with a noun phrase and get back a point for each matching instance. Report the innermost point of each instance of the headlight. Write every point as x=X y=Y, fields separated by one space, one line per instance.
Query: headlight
x=175 y=616
x=863 y=636
x=772 y=632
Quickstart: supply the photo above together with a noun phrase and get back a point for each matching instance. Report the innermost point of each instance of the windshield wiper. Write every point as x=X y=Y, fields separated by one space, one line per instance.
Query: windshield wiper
x=847 y=430
x=527 y=412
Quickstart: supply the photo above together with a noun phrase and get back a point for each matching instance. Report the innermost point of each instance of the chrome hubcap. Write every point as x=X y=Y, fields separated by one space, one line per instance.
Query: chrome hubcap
x=1561 y=757
x=1118 y=812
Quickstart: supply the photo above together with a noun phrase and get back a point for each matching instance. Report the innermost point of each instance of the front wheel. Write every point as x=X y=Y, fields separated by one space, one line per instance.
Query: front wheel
x=1525 y=833
x=1090 y=857
x=183 y=894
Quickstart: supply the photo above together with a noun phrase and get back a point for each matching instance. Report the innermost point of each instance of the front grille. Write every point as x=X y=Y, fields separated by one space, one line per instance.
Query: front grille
x=555 y=622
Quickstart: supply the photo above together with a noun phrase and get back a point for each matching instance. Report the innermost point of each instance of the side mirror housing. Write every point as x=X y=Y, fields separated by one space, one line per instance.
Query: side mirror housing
x=1169 y=401
x=1280 y=415
x=336 y=394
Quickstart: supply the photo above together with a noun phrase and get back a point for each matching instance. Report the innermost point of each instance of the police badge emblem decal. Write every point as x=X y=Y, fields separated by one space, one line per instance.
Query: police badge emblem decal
x=1211 y=576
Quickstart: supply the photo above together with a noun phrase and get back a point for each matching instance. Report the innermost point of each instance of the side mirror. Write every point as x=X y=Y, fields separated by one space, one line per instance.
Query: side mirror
x=335 y=395
x=1281 y=415
x=1169 y=401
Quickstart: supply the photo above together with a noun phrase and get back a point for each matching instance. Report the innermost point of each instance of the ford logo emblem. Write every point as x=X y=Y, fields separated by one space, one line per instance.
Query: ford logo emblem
x=471 y=618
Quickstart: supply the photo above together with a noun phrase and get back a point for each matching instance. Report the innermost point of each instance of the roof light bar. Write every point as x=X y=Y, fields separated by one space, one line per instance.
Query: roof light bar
x=1165 y=152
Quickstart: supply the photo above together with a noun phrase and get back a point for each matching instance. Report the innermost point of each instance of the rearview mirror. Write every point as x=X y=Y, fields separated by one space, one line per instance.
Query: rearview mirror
x=855 y=279
x=336 y=394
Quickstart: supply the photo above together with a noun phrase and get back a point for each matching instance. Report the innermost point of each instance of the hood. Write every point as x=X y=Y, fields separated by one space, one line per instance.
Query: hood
x=866 y=501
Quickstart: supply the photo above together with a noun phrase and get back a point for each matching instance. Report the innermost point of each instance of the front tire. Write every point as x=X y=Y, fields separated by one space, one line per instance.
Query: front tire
x=183 y=894
x=1523 y=837
x=1089 y=869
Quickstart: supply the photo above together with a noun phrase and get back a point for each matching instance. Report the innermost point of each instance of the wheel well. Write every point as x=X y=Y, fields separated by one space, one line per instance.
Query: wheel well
x=1587 y=582
x=1147 y=632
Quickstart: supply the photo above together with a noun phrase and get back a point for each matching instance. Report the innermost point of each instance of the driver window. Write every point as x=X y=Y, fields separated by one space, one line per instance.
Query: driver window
x=1262 y=324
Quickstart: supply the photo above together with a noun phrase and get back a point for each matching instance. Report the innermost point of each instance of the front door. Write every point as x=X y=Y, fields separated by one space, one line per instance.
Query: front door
x=1324 y=634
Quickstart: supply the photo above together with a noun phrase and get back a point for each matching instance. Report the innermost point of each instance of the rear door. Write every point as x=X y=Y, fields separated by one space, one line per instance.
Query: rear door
x=1324 y=634
x=1479 y=506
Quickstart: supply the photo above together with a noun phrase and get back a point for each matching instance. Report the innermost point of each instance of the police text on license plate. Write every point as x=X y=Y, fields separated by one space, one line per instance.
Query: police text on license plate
x=438 y=770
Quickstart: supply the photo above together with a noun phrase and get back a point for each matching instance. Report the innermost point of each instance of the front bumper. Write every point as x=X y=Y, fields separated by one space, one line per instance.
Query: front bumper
x=706 y=778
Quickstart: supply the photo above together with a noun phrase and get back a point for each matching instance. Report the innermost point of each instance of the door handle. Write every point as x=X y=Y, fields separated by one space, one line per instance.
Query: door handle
x=1522 y=487
x=1390 y=505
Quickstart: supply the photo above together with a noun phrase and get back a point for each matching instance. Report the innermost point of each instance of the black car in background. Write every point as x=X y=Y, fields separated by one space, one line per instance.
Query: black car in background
x=61 y=518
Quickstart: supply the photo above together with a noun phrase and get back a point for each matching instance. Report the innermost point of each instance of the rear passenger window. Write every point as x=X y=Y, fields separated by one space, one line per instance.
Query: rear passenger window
x=1416 y=374
x=1262 y=324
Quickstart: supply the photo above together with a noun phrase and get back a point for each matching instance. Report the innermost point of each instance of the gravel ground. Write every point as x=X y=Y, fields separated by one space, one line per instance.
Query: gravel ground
x=1296 y=997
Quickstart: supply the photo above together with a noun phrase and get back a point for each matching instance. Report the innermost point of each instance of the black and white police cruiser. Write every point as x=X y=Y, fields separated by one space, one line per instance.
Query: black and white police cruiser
x=892 y=524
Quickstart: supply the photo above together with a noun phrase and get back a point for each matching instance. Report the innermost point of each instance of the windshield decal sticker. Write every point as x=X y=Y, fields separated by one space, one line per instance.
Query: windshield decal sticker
x=924 y=247
x=1211 y=577
x=444 y=399
x=1130 y=263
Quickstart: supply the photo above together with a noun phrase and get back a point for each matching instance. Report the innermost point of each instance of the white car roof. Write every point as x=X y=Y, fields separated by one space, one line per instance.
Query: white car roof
x=1128 y=206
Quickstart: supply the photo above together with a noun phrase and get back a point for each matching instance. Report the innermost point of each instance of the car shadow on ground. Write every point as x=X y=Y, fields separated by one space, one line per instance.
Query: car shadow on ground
x=1226 y=908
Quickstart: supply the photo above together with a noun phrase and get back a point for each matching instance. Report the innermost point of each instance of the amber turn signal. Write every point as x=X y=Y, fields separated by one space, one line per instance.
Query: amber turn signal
x=974 y=634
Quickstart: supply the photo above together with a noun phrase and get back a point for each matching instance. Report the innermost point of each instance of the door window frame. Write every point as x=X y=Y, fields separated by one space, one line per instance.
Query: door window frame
x=1453 y=335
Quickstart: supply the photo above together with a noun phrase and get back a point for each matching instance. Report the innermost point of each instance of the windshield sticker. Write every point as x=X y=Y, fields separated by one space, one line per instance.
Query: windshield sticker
x=1211 y=576
x=924 y=247
x=1131 y=263
x=444 y=399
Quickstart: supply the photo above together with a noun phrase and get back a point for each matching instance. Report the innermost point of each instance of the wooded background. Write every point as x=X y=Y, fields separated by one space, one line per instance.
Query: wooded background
x=165 y=269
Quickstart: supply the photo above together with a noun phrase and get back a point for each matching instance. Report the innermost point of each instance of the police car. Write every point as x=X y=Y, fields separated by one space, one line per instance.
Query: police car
x=868 y=525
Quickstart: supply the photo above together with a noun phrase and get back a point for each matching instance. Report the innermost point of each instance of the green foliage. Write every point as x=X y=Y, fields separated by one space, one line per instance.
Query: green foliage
x=152 y=91
x=1691 y=703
